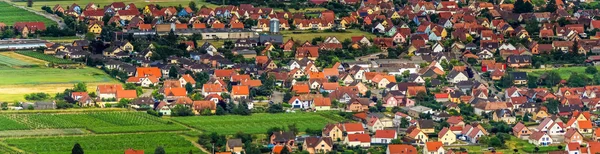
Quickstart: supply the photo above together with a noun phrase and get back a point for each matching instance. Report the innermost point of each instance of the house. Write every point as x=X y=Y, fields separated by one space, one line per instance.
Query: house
x=334 y=131
x=108 y=91
x=95 y=28
x=163 y=108
x=235 y=146
x=361 y=140
x=446 y=136
x=520 y=130
x=417 y=135
x=504 y=115
x=457 y=76
x=359 y=104
x=517 y=61
x=417 y=110
x=354 y=128
x=200 y=107
x=401 y=149
x=317 y=144
x=434 y=148
x=573 y=135
x=283 y=139
x=374 y=124
x=384 y=136
x=473 y=132
x=133 y=151
x=82 y=98
x=240 y=92
x=184 y=79
x=519 y=78
x=427 y=126
x=540 y=138
x=322 y=103
x=574 y=148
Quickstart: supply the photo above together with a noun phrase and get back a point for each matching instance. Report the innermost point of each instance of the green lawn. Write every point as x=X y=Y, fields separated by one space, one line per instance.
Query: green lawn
x=104 y=144
x=37 y=4
x=307 y=35
x=523 y=146
x=256 y=123
x=564 y=72
x=8 y=61
x=10 y=14
x=16 y=82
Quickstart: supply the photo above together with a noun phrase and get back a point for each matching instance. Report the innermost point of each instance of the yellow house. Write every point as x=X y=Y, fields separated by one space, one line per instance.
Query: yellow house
x=95 y=28
x=317 y=144
x=334 y=131
x=147 y=10
x=395 y=15
x=426 y=126
x=418 y=136
x=444 y=33
x=455 y=99
x=540 y=113
x=446 y=136
x=235 y=146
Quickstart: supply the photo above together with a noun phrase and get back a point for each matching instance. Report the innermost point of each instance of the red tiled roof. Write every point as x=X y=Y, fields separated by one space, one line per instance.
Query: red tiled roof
x=363 y=138
x=385 y=134
x=126 y=94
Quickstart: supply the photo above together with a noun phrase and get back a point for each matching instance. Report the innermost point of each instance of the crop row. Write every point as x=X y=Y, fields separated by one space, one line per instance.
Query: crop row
x=172 y=143
x=255 y=124
x=45 y=57
x=100 y=122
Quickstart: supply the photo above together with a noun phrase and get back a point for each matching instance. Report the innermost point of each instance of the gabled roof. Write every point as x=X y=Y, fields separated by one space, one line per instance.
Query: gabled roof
x=363 y=138
x=390 y=134
x=434 y=146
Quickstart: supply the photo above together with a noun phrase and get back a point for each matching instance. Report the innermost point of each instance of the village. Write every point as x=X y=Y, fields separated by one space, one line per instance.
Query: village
x=382 y=76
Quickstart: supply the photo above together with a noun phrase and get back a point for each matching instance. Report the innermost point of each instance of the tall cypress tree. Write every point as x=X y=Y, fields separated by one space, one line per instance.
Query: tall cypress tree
x=77 y=149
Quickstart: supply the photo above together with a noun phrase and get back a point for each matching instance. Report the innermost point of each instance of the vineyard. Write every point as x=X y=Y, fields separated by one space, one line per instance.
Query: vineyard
x=112 y=122
x=255 y=124
x=45 y=57
x=101 y=144
x=11 y=14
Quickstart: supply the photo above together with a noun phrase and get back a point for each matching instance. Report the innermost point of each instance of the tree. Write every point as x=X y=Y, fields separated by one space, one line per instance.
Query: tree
x=552 y=78
x=522 y=7
x=29 y=3
x=37 y=96
x=80 y=87
x=275 y=108
x=180 y=110
x=531 y=81
x=30 y=107
x=90 y=36
x=591 y=70
x=293 y=128
x=173 y=72
x=123 y=103
x=159 y=150
x=189 y=88
x=220 y=110
x=550 y=7
x=77 y=149
x=368 y=94
x=285 y=150
x=577 y=80
x=193 y=6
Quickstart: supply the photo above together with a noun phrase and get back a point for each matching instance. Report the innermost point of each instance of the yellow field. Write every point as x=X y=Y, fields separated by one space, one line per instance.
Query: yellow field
x=306 y=35
x=23 y=58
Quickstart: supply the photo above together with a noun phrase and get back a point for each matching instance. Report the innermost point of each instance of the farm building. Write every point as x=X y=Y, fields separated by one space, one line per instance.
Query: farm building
x=19 y=44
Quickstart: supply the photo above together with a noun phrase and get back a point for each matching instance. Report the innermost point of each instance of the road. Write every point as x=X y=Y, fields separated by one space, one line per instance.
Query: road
x=52 y=17
x=485 y=81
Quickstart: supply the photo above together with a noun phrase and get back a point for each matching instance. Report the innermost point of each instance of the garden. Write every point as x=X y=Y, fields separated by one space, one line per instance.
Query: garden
x=256 y=123
x=110 y=122
x=102 y=144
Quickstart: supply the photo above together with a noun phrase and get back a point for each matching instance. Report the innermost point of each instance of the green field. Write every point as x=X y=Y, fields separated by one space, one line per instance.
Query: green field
x=564 y=72
x=16 y=82
x=41 y=132
x=307 y=35
x=37 y=5
x=8 y=61
x=108 y=122
x=10 y=14
x=104 y=144
x=255 y=124
x=45 y=57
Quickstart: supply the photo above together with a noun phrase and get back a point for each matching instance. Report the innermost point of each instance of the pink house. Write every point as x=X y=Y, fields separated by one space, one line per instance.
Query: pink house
x=395 y=98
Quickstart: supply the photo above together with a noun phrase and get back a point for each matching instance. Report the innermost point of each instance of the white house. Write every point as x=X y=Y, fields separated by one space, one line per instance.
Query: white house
x=384 y=136
x=540 y=138
x=362 y=140
x=457 y=76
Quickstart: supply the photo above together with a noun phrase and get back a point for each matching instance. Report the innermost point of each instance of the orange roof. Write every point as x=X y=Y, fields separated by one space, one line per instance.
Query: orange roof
x=385 y=134
x=322 y=101
x=413 y=90
x=316 y=75
x=208 y=87
x=251 y=83
x=277 y=149
x=133 y=79
x=175 y=92
x=402 y=149
x=145 y=27
x=218 y=25
x=363 y=138
x=238 y=78
x=201 y=105
x=353 y=127
x=181 y=26
x=331 y=71
x=189 y=78
x=240 y=90
x=237 y=25
x=199 y=26
x=224 y=73
x=594 y=144
x=441 y=95
x=126 y=94
x=148 y=71
x=261 y=59
x=330 y=85
x=585 y=124
x=301 y=88
x=109 y=88
x=433 y=146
